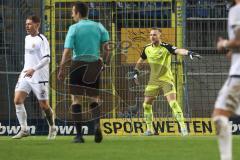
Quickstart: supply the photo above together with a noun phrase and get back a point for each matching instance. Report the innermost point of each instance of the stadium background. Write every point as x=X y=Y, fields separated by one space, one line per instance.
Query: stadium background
x=192 y=24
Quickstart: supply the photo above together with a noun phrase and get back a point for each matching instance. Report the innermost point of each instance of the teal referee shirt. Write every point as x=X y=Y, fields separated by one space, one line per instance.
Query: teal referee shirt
x=85 y=39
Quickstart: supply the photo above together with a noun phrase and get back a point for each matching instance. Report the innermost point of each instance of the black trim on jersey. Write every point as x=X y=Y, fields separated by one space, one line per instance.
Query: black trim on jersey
x=40 y=36
x=169 y=47
x=44 y=82
x=46 y=56
x=234 y=76
x=143 y=54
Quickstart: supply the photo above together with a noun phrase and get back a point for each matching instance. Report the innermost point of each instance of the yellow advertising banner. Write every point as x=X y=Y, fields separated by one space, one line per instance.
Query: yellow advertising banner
x=139 y=37
x=163 y=126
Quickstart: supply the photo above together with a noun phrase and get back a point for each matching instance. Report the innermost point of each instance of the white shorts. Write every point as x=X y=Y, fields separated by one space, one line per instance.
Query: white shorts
x=229 y=96
x=40 y=90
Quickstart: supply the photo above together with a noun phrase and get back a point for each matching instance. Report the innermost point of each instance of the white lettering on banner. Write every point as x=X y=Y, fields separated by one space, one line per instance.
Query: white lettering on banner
x=85 y=129
x=32 y=129
x=69 y=129
x=2 y=129
x=235 y=127
x=65 y=129
x=60 y=129
x=14 y=129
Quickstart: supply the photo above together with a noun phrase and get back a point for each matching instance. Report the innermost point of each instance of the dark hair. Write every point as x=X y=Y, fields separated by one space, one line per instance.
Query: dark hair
x=82 y=8
x=156 y=28
x=34 y=18
x=233 y=3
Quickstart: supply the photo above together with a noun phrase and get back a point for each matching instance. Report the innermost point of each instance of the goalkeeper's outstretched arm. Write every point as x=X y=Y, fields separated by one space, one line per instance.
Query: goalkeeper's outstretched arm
x=185 y=52
x=181 y=51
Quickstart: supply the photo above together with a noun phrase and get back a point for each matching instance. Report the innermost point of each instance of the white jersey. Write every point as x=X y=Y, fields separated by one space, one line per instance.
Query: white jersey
x=36 y=48
x=233 y=20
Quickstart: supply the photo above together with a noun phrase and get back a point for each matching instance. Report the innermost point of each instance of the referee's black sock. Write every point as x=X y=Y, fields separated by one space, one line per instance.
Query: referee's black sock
x=76 y=115
x=96 y=119
x=95 y=108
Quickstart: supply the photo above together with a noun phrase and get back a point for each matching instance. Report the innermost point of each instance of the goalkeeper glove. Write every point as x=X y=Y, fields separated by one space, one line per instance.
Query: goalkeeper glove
x=135 y=76
x=135 y=73
x=192 y=54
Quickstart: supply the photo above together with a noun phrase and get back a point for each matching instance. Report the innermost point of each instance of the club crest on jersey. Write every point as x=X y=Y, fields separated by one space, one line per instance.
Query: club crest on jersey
x=43 y=93
x=33 y=45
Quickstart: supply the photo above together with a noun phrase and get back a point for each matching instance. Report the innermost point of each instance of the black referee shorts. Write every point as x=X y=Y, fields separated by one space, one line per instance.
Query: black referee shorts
x=85 y=78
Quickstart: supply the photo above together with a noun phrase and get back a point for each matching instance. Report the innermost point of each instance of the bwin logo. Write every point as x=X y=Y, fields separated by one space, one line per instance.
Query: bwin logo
x=14 y=129
x=68 y=130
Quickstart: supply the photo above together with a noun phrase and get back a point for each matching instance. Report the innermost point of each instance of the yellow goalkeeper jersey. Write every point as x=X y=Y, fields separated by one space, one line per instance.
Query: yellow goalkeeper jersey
x=159 y=59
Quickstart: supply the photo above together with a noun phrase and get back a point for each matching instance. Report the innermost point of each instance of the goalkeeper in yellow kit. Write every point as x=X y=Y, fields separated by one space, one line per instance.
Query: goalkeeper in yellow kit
x=158 y=54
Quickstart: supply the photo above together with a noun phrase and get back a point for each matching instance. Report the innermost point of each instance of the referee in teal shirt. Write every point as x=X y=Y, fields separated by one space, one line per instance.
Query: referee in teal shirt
x=85 y=39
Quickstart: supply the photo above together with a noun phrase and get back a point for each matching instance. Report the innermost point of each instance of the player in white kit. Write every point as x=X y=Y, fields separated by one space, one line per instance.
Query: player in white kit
x=228 y=100
x=34 y=77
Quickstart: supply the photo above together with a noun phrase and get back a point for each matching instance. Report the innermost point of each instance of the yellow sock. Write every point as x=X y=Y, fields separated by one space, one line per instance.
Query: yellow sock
x=148 y=115
x=177 y=112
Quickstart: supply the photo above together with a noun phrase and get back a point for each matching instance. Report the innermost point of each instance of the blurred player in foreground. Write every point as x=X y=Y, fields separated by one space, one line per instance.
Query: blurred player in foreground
x=228 y=100
x=158 y=54
x=34 y=77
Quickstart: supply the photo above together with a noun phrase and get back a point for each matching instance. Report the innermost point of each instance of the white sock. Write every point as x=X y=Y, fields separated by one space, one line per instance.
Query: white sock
x=224 y=137
x=22 y=116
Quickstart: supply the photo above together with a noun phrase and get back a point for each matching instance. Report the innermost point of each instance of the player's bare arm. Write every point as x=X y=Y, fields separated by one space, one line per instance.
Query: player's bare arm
x=29 y=73
x=106 y=53
x=65 y=58
x=139 y=64
x=181 y=51
x=229 y=44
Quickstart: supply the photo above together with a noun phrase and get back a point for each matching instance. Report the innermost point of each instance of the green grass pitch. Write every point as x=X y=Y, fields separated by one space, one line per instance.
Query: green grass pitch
x=114 y=148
